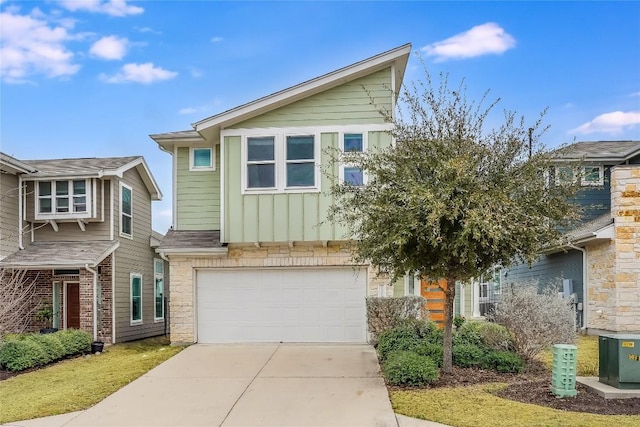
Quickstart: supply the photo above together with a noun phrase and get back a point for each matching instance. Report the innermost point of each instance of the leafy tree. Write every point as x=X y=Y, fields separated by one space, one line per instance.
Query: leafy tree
x=449 y=198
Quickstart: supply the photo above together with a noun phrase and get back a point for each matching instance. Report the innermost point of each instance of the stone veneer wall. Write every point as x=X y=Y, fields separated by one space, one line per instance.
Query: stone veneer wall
x=625 y=208
x=181 y=270
x=614 y=267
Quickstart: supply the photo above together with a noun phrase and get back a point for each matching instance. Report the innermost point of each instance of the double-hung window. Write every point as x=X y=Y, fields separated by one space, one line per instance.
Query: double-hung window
x=352 y=143
x=301 y=166
x=136 y=298
x=282 y=162
x=126 y=210
x=261 y=162
x=63 y=199
x=159 y=288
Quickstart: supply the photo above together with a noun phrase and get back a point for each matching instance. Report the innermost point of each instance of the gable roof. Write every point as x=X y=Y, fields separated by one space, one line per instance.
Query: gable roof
x=14 y=166
x=398 y=57
x=94 y=167
x=601 y=151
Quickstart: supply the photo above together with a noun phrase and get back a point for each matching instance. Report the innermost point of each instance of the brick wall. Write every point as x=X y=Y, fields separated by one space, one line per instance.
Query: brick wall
x=182 y=278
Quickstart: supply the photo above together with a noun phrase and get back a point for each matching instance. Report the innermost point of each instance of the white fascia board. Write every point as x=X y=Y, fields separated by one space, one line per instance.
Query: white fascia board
x=166 y=141
x=145 y=173
x=307 y=88
x=13 y=165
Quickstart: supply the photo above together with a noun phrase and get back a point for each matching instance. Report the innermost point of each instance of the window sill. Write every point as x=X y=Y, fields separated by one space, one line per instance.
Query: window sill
x=202 y=169
x=288 y=190
x=135 y=322
x=62 y=216
x=127 y=236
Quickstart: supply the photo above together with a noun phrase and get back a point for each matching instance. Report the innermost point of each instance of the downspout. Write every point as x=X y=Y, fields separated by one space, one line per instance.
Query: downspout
x=584 y=286
x=20 y=246
x=95 y=301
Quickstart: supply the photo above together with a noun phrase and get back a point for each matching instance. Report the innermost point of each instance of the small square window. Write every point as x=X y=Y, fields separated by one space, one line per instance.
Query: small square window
x=564 y=174
x=592 y=175
x=353 y=176
x=353 y=142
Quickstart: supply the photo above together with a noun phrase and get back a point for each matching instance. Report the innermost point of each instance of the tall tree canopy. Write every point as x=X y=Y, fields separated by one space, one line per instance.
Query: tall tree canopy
x=450 y=198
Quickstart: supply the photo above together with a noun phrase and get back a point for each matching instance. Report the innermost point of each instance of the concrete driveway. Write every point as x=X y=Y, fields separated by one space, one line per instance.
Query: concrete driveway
x=250 y=385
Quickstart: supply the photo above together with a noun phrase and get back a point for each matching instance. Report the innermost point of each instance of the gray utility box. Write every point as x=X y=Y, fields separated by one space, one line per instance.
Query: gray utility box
x=619 y=357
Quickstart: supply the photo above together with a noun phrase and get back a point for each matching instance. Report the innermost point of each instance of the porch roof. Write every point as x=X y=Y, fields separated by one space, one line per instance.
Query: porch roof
x=192 y=242
x=62 y=254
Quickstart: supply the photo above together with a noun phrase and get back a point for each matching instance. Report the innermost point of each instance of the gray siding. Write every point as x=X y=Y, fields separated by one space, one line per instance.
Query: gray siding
x=596 y=201
x=549 y=270
x=135 y=256
x=8 y=214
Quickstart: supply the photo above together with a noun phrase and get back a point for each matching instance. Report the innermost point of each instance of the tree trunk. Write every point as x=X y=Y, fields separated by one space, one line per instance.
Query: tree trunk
x=450 y=295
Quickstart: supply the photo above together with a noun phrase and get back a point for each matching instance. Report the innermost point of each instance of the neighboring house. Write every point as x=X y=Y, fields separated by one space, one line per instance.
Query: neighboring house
x=10 y=169
x=601 y=257
x=82 y=229
x=252 y=255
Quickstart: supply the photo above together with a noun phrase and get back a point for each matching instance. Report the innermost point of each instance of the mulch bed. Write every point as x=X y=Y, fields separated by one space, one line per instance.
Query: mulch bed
x=532 y=386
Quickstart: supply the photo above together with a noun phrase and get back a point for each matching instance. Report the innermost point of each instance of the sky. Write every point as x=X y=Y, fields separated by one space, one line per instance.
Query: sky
x=94 y=78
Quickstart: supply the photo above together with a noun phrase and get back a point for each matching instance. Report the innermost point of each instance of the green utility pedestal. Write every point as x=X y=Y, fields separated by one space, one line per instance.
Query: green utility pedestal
x=563 y=374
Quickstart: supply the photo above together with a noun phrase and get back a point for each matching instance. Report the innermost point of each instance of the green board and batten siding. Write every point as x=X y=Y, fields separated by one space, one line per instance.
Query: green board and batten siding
x=353 y=103
x=302 y=216
x=198 y=195
x=286 y=216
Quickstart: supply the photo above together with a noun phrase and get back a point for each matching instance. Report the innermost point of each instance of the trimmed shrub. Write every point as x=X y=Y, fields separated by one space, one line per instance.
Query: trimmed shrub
x=18 y=355
x=386 y=313
x=535 y=320
x=407 y=336
x=484 y=334
x=503 y=361
x=467 y=355
x=409 y=368
x=51 y=347
x=430 y=350
x=75 y=341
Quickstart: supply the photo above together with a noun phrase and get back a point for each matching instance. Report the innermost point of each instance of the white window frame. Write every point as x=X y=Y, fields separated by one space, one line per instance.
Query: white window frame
x=156 y=276
x=280 y=162
x=595 y=183
x=574 y=175
x=365 y=147
x=212 y=158
x=133 y=321
x=70 y=196
x=122 y=213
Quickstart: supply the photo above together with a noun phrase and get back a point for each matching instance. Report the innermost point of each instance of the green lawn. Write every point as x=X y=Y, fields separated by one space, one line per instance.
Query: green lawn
x=477 y=406
x=76 y=384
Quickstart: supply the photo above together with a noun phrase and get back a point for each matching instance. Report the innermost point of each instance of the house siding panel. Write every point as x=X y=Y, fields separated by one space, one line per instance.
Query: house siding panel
x=596 y=201
x=282 y=217
x=347 y=104
x=549 y=270
x=198 y=195
x=8 y=214
x=135 y=256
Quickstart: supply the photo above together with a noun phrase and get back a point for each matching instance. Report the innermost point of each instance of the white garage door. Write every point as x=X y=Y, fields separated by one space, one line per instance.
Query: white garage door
x=288 y=305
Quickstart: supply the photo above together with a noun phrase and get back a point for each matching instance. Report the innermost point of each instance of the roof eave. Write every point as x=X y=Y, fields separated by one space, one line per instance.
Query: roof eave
x=39 y=265
x=399 y=56
x=167 y=141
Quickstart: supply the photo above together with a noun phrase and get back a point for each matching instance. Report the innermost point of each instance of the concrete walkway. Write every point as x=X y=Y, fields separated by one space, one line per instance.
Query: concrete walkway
x=250 y=385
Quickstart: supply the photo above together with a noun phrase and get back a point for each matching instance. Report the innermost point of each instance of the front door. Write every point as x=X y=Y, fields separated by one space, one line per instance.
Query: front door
x=72 y=306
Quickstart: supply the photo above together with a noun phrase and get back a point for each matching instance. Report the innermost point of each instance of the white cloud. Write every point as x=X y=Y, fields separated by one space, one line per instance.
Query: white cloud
x=614 y=122
x=147 y=30
x=110 y=48
x=485 y=39
x=30 y=45
x=188 y=110
x=109 y=7
x=145 y=73
x=216 y=39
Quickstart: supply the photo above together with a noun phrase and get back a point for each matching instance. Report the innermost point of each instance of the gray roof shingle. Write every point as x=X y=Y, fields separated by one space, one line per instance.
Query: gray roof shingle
x=79 y=166
x=61 y=254
x=600 y=150
x=188 y=239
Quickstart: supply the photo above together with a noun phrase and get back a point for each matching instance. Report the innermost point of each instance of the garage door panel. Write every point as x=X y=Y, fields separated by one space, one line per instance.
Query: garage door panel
x=290 y=305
